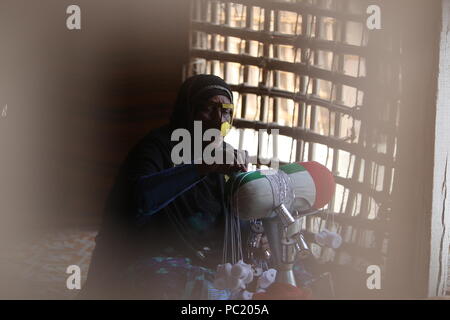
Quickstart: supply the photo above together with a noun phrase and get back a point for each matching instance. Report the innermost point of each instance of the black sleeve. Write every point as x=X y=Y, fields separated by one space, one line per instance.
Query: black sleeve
x=153 y=185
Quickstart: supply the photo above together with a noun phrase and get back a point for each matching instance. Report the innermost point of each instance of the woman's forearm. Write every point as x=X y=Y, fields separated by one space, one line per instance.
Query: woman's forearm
x=155 y=191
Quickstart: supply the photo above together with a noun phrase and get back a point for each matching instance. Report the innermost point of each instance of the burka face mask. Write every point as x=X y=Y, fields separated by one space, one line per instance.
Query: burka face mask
x=226 y=126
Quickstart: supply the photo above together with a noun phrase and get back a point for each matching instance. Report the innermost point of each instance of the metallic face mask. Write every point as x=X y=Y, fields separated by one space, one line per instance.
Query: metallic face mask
x=226 y=126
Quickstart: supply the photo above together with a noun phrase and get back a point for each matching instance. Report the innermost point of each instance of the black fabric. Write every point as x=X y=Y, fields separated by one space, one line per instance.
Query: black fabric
x=211 y=91
x=190 y=92
x=121 y=241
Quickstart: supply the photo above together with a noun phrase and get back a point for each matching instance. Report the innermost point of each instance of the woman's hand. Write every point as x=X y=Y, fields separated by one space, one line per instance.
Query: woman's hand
x=239 y=163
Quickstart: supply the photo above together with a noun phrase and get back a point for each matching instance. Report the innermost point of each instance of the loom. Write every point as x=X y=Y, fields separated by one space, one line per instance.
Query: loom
x=275 y=202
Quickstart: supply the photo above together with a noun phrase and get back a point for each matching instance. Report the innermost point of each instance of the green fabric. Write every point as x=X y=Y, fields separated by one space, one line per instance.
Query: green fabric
x=242 y=178
x=292 y=168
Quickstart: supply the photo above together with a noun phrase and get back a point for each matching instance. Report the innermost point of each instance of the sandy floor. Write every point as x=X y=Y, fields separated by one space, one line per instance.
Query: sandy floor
x=38 y=270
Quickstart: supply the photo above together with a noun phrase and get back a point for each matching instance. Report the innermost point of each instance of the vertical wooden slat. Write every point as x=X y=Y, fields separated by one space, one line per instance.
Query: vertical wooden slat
x=215 y=65
x=303 y=88
x=315 y=87
x=264 y=100
x=340 y=34
x=248 y=24
x=227 y=39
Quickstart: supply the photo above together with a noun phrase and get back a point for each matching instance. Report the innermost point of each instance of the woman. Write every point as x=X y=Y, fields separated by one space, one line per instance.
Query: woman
x=162 y=231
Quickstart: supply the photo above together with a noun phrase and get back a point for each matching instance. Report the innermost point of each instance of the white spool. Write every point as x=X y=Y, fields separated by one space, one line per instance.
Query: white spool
x=329 y=239
x=242 y=271
x=246 y=295
x=267 y=278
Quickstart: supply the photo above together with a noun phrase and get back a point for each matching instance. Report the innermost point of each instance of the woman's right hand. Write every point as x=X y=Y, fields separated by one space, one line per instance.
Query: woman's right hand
x=239 y=164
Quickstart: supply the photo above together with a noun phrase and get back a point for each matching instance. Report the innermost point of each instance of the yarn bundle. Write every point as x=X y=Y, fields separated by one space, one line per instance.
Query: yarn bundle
x=237 y=277
x=328 y=239
x=257 y=193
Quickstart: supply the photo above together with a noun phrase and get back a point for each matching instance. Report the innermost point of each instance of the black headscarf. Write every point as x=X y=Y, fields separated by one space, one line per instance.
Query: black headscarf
x=196 y=89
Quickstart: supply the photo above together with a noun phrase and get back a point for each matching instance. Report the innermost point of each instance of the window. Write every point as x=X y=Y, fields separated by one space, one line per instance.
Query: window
x=301 y=67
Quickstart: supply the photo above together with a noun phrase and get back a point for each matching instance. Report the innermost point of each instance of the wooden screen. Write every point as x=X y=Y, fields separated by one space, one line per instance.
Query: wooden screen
x=302 y=67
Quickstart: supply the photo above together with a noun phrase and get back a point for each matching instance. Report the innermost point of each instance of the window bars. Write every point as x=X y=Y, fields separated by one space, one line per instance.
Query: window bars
x=300 y=67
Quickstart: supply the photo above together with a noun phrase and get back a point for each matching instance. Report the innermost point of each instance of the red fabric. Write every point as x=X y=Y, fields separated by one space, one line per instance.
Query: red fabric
x=324 y=182
x=283 y=291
